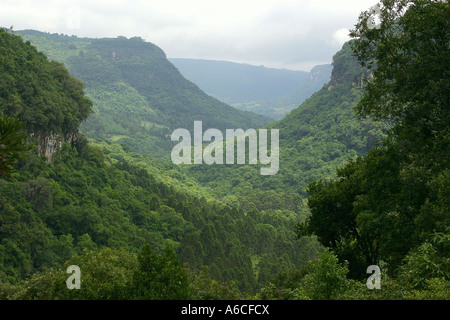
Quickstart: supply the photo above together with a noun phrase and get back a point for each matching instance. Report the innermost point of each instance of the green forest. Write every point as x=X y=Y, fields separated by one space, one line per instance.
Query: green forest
x=86 y=178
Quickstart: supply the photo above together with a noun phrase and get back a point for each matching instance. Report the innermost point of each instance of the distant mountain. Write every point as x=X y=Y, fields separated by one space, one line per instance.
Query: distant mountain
x=237 y=82
x=267 y=91
x=139 y=96
x=278 y=107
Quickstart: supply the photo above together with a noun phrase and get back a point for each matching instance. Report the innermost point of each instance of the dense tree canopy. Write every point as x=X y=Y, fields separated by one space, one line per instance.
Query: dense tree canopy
x=39 y=92
x=13 y=145
x=384 y=206
x=142 y=228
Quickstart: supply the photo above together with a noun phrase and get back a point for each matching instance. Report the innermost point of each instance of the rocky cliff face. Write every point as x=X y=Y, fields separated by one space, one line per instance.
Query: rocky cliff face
x=49 y=144
x=347 y=70
x=320 y=74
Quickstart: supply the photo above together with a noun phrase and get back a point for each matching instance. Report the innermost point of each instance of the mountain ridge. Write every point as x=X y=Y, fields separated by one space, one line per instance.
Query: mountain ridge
x=267 y=91
x=139 y=96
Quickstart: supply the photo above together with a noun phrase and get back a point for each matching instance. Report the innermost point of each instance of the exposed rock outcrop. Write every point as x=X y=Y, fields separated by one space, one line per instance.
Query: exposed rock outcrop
x=50 y=143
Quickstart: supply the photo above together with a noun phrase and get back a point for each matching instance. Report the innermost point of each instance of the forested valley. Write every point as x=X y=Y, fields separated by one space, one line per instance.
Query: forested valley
x=364 y=180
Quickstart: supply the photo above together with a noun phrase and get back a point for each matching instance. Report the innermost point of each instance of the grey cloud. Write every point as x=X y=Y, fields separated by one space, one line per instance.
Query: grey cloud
x=285 y=34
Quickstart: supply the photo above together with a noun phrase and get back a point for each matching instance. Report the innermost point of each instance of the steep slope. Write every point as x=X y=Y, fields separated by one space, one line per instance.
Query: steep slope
x=139 y=96
x=42 y=93
x=321 y=134
x=267 y=91
x=88 y=201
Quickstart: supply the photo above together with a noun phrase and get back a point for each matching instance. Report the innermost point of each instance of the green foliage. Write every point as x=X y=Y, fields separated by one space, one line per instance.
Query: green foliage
x=104 y=274
x=117 y=274
x=142 y=228
x=328 y=278
x=203 y=287
x=435 y=289
x=386 y=206
x=13 y=146
x=428 y=261
x=54 y=211
x=321 y=134
x=322 y=279
x=39 y=92
x=160 y=277
x=409 y=57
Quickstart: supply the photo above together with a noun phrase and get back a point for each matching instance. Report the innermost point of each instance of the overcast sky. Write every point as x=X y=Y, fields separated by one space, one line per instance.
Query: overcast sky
x=292 y=34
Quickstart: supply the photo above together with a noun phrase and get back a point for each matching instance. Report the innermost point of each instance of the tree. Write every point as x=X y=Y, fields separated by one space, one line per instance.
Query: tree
x=160 y=277
x=203 y=287
x=13 y=145
x=409 y=57
x=334 y=218
x=328 y=279
x=105 y=274
x=390 y=201
x=428 y=261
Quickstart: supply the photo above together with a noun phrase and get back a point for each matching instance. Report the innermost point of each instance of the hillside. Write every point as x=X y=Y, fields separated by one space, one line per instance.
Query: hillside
x=47 y=98
x=321 y=134
x=267 y=91
x=101 y=202
x=139 y=96
x=362 y=184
